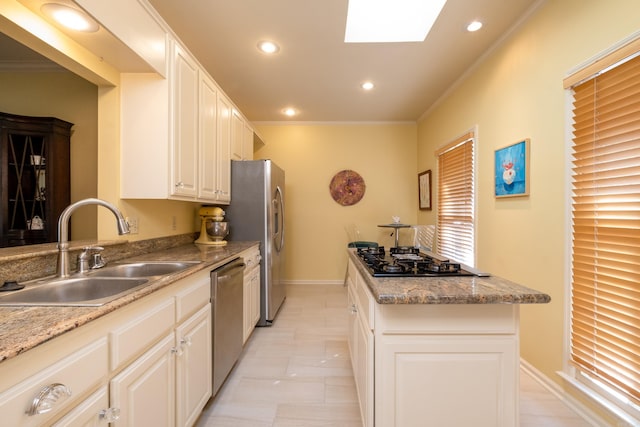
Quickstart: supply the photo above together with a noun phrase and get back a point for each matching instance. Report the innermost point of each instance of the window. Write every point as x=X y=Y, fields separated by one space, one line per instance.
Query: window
x=456 y=200
x=605 y=269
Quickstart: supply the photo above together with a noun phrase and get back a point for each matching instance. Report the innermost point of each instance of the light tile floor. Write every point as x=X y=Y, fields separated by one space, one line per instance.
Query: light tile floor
x=298 y=373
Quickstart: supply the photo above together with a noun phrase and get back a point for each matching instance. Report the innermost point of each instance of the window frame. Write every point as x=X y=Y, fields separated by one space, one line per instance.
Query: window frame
x=470 y=135
x=595 y=390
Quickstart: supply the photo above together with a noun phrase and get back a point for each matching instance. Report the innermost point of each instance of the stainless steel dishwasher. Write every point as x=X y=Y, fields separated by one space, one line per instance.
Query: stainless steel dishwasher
x=226 y=306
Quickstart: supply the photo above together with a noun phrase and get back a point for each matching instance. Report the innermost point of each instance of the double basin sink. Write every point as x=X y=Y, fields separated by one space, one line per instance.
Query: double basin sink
x=94 y=288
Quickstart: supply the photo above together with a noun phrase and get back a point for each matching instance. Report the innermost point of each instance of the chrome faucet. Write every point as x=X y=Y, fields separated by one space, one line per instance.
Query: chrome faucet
x=62 y=269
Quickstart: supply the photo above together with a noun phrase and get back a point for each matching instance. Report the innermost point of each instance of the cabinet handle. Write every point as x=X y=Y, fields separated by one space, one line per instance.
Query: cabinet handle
x=185 y=341
x=109 y=415
x=354 y=310
x=177 y=350
x=48 y=397
x=179 y=184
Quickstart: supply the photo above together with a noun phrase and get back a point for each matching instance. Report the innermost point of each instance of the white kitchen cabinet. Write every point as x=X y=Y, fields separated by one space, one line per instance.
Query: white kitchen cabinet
x=251 y=291
x=237 y=136
x=177 y=131
x=193 y=367
x=431 y=360
x=145 y=391
x=223 y=153
x=79 y=372
x=148 y=362
x=247 y=144
x=361 y=344
x=208 y=148
x=185 y=112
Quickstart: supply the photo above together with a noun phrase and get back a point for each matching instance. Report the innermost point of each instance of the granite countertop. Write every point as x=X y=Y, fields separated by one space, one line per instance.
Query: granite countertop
x=23 y=328
x=447 y=290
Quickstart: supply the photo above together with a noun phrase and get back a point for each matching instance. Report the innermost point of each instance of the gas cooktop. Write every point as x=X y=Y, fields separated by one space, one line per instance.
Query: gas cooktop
x=406 y=261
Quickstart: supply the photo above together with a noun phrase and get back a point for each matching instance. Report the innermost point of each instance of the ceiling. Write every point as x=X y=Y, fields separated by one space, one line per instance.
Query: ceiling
x=320 y=75
x=315 y=72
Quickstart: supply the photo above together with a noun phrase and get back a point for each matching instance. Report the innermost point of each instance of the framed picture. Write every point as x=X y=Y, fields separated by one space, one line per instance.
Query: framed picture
x=511 y=170
x=424 y=190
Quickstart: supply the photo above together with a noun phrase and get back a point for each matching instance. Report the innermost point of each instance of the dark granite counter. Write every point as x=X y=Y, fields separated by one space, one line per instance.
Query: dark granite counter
x=22 y=328
x=447 y=290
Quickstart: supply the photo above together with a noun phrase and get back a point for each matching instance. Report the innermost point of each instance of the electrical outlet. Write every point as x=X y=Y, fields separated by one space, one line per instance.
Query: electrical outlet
x=174 y=223
x=133 y=225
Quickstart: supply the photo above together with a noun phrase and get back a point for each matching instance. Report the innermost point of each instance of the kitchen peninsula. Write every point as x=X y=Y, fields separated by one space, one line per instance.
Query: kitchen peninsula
x=435 y=351
x=142 y=359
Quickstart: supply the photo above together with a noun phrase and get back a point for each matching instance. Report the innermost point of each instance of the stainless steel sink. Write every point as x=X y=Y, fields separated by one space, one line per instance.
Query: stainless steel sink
x=93 y=289
x=75 y=291
x=142 y=269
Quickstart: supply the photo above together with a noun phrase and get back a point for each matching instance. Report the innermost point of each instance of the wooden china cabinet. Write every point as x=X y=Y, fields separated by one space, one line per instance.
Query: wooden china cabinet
x=35 y=173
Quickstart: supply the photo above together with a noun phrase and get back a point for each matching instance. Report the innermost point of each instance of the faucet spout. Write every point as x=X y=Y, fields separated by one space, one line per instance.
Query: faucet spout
x=62 y=269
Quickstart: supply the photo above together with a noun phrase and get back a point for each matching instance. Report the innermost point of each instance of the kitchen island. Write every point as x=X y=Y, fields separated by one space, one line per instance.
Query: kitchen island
x=435 y=351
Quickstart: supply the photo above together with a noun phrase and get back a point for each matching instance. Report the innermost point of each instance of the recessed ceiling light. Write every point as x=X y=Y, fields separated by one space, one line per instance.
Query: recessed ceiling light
x=474 y=26
x=70 y=17
x=268 y=47
x=290 y=112
x=380 y=21
x=367 y=85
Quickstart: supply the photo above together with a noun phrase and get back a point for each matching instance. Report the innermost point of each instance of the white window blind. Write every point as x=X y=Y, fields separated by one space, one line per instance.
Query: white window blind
x=605 y=300
x=456 y=234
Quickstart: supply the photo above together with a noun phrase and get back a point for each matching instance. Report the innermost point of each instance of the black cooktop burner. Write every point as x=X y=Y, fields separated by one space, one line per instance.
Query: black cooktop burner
x=406 y=261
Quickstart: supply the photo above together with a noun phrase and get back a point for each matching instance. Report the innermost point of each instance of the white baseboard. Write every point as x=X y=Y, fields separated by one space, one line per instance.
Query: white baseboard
x=552 y=387
x=313 y=282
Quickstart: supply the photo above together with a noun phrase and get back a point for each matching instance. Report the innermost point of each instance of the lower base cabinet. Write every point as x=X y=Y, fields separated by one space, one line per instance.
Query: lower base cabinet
x=144 y=392
x=433 y=365
x=145 y=364
x=251 y=291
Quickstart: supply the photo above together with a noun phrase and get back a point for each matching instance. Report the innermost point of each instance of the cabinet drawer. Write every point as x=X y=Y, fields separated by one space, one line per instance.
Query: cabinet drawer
x=140 y=332
x=87 y=413
x=80 y=372
x=194 y=297
x=251 y=258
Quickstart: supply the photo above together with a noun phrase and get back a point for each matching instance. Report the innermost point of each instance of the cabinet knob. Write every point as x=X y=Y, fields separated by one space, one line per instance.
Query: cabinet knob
x=48 y=397
x=353 y=310
x=179 y=184
x=109 y=415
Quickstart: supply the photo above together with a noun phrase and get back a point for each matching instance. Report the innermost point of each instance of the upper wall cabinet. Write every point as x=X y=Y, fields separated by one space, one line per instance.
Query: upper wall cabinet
x=176 y=134
x=179 y=130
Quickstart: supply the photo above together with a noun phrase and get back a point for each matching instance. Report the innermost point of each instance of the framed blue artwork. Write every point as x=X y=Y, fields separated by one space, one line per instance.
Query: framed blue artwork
x=511 y=170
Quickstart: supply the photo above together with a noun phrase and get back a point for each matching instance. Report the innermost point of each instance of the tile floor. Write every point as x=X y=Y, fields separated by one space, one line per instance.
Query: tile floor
x=298 y=373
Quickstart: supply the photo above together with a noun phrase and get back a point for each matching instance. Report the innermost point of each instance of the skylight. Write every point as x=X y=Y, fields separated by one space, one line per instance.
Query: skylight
x=388 y=21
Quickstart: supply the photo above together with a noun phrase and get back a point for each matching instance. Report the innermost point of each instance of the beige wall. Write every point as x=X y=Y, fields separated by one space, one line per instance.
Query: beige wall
x=68 y=97
x=517 y=93
x=315 y=238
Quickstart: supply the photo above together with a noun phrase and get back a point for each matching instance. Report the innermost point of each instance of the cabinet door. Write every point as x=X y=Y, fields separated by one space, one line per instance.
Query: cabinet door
x=251 y=296
x=208 y=139
x=145 y=391
x=426 y=381
x=185 y=124
x=224 y=150
x=363 y=373
x=247 y=144
x=194 y=376
x=237 y=136
x=255 y=296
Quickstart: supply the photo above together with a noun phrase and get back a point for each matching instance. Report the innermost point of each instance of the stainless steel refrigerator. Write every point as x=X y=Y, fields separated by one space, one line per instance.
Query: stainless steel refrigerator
x=257 y=212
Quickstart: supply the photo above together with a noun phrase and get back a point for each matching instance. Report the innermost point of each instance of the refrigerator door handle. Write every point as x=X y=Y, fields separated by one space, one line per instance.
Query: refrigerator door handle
x=279 y=220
